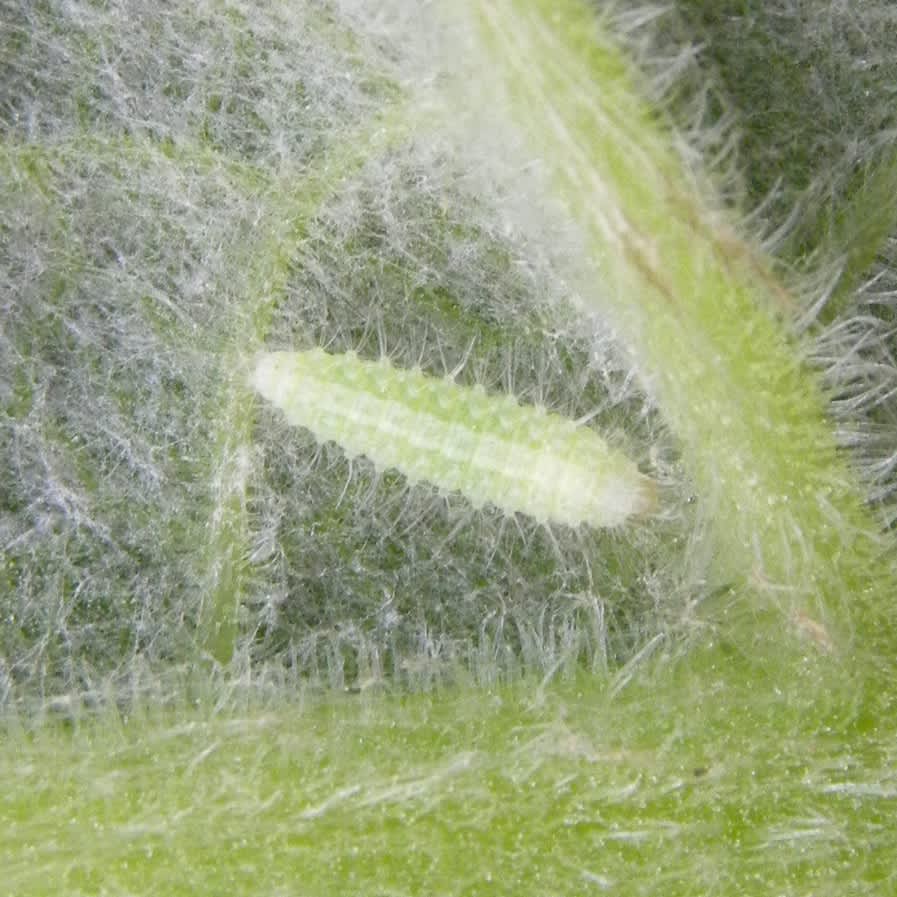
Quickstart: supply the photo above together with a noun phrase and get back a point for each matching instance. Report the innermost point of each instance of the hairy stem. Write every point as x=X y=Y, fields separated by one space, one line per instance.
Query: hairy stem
x=707 y=325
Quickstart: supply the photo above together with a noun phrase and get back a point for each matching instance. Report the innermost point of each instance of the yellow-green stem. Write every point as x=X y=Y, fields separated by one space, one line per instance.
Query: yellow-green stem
x=707 y=325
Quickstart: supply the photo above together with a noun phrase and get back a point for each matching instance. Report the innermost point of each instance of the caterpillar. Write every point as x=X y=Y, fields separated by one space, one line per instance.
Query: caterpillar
x=519 y=458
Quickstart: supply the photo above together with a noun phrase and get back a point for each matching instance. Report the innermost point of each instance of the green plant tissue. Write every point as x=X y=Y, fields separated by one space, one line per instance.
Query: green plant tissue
x=237 y=657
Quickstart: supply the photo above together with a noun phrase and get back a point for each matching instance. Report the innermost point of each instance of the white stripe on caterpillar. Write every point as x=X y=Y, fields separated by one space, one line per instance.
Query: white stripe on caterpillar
x=459 y=439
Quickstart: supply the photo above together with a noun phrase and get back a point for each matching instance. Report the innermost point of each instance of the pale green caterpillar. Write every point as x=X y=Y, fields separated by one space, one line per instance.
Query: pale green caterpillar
x=459 y=439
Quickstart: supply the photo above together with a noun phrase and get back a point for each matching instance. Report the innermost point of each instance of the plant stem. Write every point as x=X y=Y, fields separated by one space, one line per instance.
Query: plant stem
x=703 y=318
